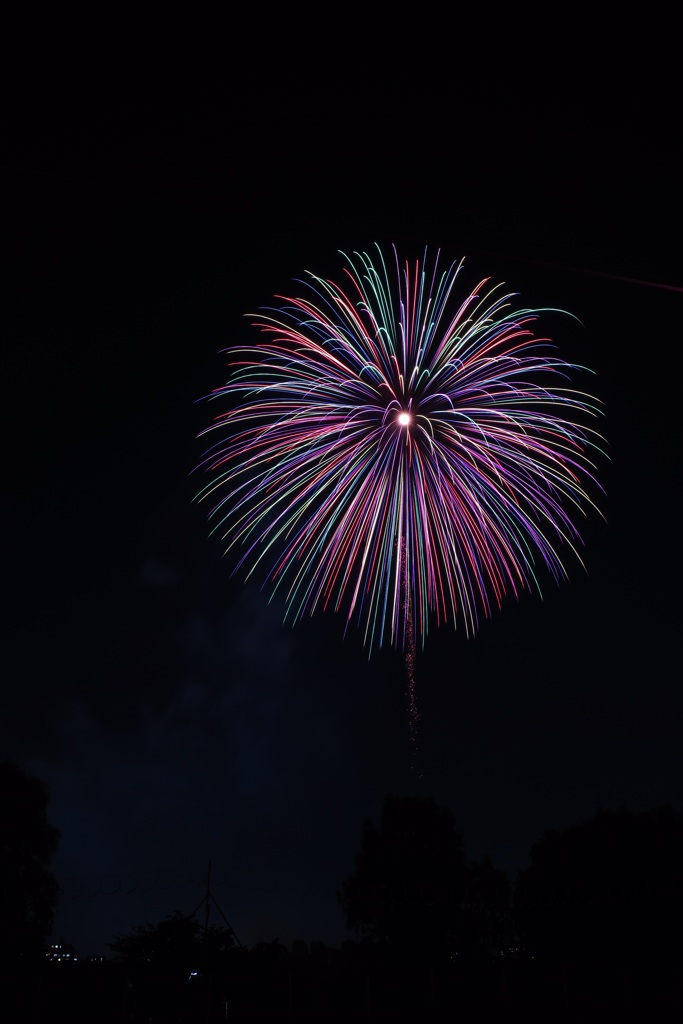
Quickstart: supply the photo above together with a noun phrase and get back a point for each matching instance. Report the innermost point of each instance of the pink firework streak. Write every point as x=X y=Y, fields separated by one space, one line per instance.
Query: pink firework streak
x=409 y=653
x=400 y=449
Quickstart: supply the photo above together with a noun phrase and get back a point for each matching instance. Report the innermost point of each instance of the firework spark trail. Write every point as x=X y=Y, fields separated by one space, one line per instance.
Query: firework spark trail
x=409 y=657
x=400 y=452
x=661 y=285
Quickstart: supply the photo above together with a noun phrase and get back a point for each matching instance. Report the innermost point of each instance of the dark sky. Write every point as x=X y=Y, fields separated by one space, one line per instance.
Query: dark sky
x=158 y=186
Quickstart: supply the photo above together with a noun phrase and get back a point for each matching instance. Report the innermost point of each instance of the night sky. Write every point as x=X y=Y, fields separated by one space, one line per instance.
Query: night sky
x=154 y=191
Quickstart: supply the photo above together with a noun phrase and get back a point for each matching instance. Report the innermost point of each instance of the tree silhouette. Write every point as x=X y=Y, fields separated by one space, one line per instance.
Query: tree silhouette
x=175 y=970
x=406 y=892
x=28 y=842
x=178 y=943
x=488 y=928
x=610 y=887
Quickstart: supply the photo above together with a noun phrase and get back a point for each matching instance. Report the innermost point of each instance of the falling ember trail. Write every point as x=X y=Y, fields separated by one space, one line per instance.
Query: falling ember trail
x=413 y=714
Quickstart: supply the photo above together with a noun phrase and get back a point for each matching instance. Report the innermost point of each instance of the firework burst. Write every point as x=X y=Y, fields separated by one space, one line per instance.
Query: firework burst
x=398 y=452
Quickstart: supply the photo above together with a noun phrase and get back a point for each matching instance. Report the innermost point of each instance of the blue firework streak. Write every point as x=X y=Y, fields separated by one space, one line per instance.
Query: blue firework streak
x=399 y=452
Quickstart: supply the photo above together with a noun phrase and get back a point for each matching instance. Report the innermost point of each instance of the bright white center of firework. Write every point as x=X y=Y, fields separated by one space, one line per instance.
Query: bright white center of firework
x=404 y=418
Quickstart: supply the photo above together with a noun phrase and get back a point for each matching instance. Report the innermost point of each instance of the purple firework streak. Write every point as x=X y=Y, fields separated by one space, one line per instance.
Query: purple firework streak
x=398 y=451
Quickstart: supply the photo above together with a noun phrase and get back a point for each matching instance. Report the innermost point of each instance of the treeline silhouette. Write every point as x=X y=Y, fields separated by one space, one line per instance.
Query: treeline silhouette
x=590 y=928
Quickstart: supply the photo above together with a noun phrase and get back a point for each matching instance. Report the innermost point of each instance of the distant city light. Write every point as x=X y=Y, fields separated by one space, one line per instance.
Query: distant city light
x=59 y=953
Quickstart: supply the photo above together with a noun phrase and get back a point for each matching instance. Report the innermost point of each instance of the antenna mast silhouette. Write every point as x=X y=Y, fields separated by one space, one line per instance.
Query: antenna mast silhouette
x=209 y=898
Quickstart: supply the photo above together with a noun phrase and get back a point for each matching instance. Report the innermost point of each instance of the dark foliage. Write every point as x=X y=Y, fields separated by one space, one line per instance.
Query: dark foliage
x=407 y=889
x=180 y=942
x=487 y=911
x=28 y=842
x=607 y=888
x=173 y=968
